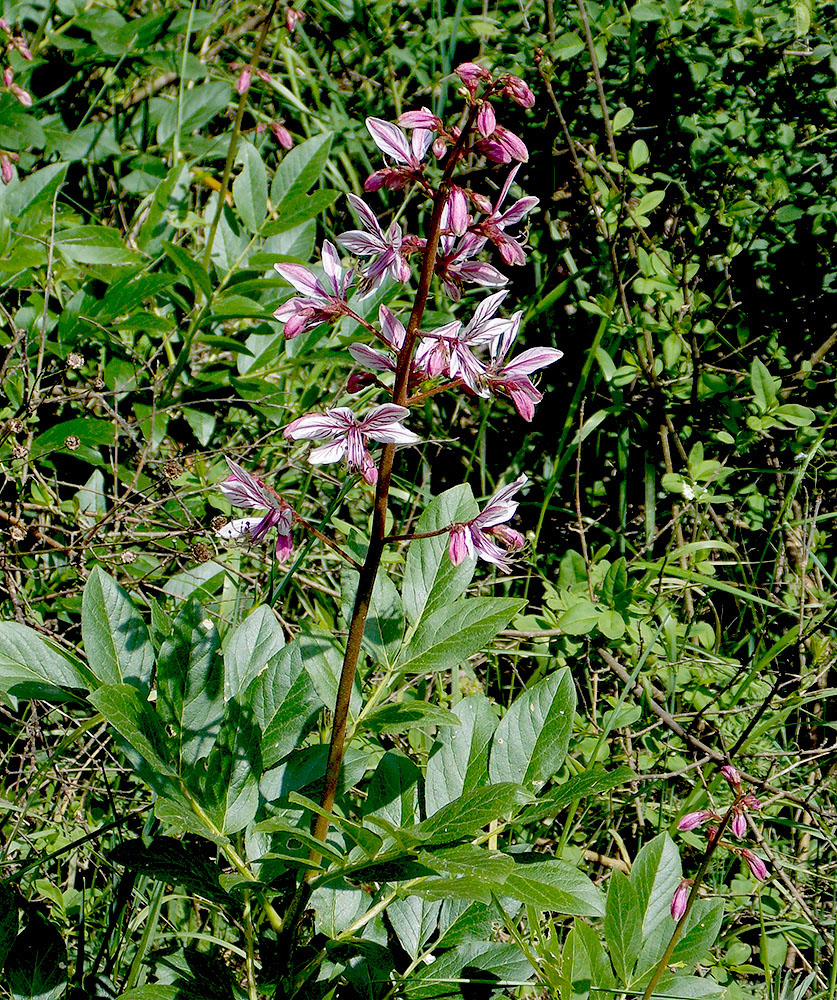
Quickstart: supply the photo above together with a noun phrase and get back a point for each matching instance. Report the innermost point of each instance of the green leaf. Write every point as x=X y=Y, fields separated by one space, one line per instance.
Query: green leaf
x=475 y=969
x=431 y=581
x=299 y=170
x=622 y=925
x=579 y=619
x=647 y=11
x=228 y=781
x=402 y=716
x=414 y=921
x=392 y=793
x=655 y=874
x=765 y=387
x=622 y=119
x=596 y=781
x=31 y=667
x=297 y=210
x=19 y=129
x=638 y=155
x=93 y=245
x=198 y=106
x=250 y=188
x=92 y=433
x=37 y=964
x=168 y=860
x=795 y=415
x=567 y=45
x=465 y=816
x=453 y=633
x=551 y=884
x=137 y=723
x=458 y=761
x=700 y=933
x=249 y=649
x=383 y=632
x=153 y=992
x=586 y=964
x=648 y=202
x=190 y=683
x=673 y=987
x=323 y=659
x=531 y=742
x=285 y=703
x=189 y=268
x=116 y=639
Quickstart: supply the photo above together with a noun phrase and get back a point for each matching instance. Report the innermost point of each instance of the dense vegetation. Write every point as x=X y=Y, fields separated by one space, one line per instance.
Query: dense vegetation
x=536 y=758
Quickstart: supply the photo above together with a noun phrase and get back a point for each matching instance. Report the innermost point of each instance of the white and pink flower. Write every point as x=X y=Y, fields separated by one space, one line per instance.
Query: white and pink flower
x=477 y=536
x=243 y=489
x=320 y=302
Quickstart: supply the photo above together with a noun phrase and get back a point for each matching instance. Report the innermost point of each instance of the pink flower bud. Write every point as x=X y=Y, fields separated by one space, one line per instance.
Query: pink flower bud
x=22 y=47
x=359 y=380
x=261 y=127
x=8 y=76
x=680 y=898
x=694 y=819
x=471 y=74
x=457 y=545
x=293 y=18
x=751 y=802
x=419 y=119
x=6 y=171
x=482 y=202
x=756 y=865
x=281 y=135
x=513 y=144
x=519 y=92
x=486 y=120
x=458 y=218
x=508 y=536
x=738 y=825
x=4 y=24
x=731 y=774
x=440 y=147
x=264 y=76
x=22 y=95
x=243 y=83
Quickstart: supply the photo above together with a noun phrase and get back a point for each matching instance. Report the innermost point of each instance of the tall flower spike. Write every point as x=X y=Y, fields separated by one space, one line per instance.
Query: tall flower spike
x=477 y=535
x=243 y=489
x=318 y=304
x=347 y=435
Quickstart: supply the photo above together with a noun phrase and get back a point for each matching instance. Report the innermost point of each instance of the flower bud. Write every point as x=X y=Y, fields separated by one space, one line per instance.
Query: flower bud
x=756 y=865
x=440 y=147
x=8 y=76
x=730 y=772
x=694 y=819
x=519 y=92
x=293 y=18
x=419 y=119
x=243 y=83
x=281 y=135
x=359 y=381
x=471 y=74
x=486 y=120
x=738 y=825
x=680 y=898
x=6 y=171
x=264 y=76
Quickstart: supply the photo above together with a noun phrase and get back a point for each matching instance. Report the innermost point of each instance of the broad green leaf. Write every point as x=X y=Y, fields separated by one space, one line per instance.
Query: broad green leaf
x=31 y=667
x=622 y=119
x=647 y=11
x=596 y=781
x=93 y=245
x=393 y=791
x=297 y=210
x=228 y=779
x=675 y=987
x=477 y=968
x=92 y=433
x=586 y=964
x=36 y=968
x=189 y=267
x=19 y=129
x=655 y=874
x=431 y=581
x=567 y=45
x=300 y=168
x=171 y=861
x=648 y=202
x=700 y=933
x=402 y=716
x=414 y=921
x=622 y=925
x=34 y=192
x=116 y=638
x=336 y=907
x=153 y=992
x=177 y=816
x=128 y=712
x=551 y=884
x=250 y=188
x=455 y=632
x=323 y=659
x=199 y=105
x=531 y=741
x=458 y=760
x=384 y=629
x=249 y=648
x=190 y=683
x=466 y=816
x=285 y=703
x=580 y=618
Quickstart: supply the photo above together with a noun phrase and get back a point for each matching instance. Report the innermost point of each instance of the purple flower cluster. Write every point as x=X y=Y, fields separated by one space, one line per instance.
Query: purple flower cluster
x=473 y=356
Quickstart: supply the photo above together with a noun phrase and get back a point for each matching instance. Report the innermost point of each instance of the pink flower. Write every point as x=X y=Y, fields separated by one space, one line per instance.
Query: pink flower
x=347 y=436
x=738 y=824
x=755 y=864
x=281 y=135
x=393 y=332
x=730 y=772
x=493 y=227
x=245 y=490
x=242 y=84
x=518 y=91
x=455 y=217
x=680 y=898
x=504 y=146
x=409 y=153
x=455 y=267
x=694 y=819
x=471 y=74
x=512 y=378
x=370 y=241
x=319 y=304
x=476 y=536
